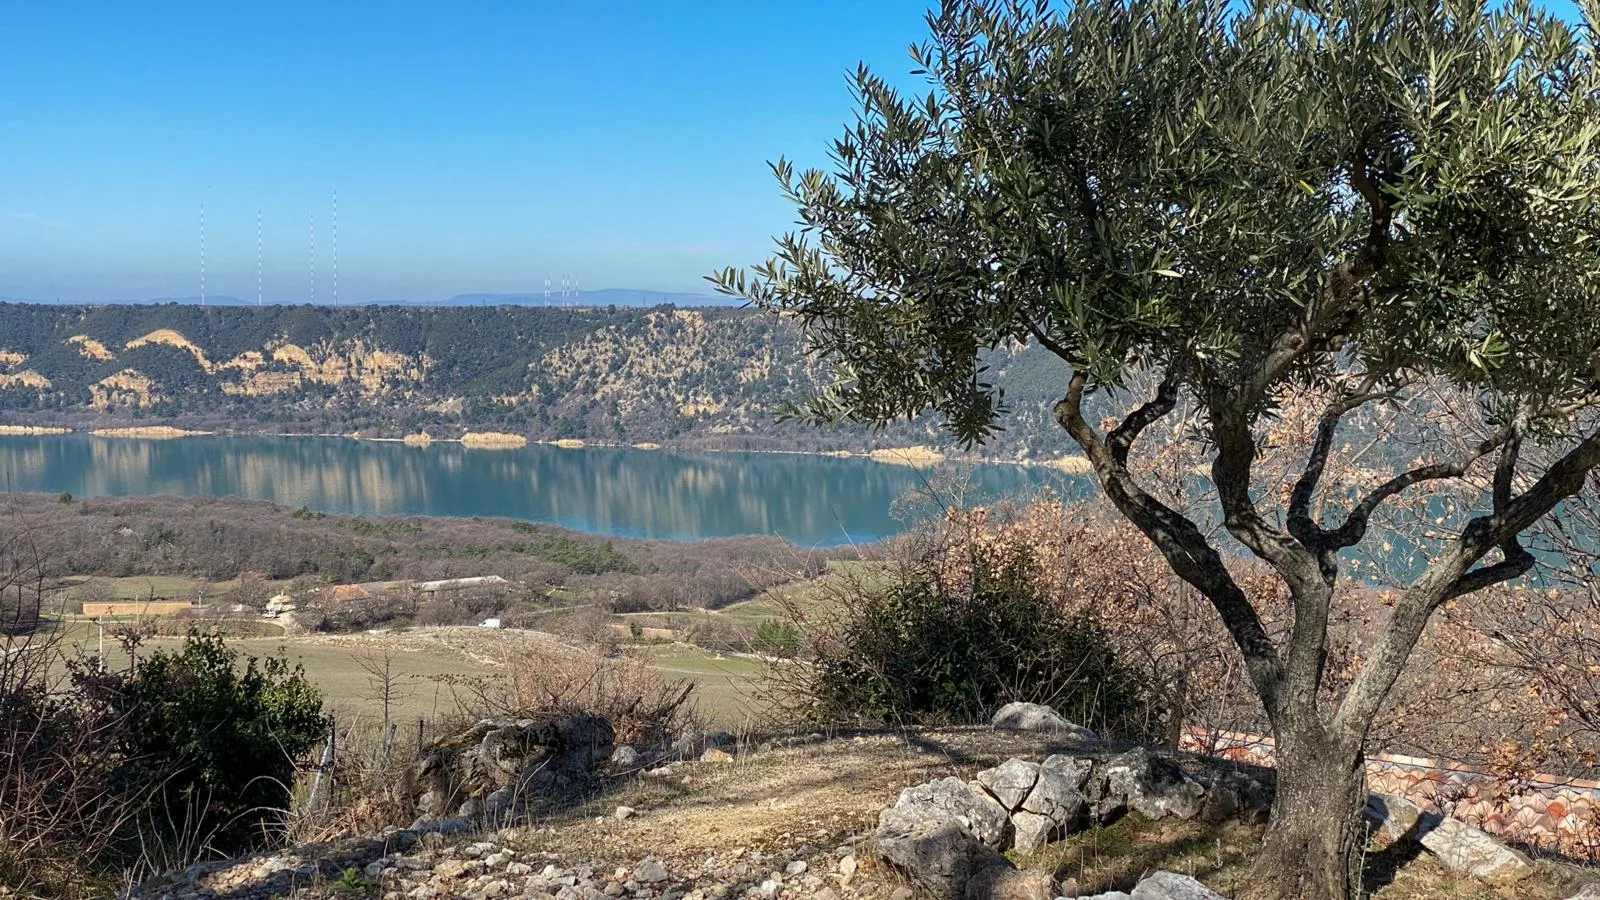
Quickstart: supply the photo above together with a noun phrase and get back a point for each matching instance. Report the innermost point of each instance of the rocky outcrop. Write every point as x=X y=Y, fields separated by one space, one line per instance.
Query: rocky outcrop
x=943 y=834
x=489 y=771
x=1150 y=785
x=1042 y=802
x=1038 y=717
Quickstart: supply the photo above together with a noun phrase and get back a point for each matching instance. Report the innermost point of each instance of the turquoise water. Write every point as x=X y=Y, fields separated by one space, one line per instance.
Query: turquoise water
x=811 y=500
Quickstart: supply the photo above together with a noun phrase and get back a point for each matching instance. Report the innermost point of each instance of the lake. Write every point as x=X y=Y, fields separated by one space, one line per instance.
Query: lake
x=811 y=500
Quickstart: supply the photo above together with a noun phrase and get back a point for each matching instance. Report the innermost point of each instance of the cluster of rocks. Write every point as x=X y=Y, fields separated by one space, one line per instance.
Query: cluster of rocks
x=487 y=869
x=949 y=835
x=411 y=865
x=490 y=771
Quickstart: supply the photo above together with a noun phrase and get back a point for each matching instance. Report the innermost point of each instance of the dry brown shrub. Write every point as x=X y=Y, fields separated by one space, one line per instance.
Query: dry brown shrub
x=367 y=788
x=645 y=708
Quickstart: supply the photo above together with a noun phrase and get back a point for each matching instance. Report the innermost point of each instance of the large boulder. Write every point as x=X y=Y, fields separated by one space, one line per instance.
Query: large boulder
x=1152 y=786
x=1465 y=850
x=1038 y=717
x=938 y=853
x=495 y=766
x=951 y=799
x=1231 y=795
x=1172 y=886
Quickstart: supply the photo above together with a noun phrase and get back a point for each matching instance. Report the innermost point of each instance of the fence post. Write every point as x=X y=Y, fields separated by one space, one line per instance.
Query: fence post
x=322 y=785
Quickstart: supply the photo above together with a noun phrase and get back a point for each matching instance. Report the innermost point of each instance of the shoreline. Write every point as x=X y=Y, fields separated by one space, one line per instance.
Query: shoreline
x=1072 y=465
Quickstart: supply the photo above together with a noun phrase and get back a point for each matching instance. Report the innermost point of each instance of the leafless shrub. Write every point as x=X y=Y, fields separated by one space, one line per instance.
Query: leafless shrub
x=60 y=806
x=645 y=708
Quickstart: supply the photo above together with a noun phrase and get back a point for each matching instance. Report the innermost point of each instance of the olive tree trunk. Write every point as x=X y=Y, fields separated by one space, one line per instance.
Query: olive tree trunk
x=1311 y=848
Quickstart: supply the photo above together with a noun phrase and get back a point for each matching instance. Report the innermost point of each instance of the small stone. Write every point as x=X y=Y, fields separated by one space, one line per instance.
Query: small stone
x=518 y=868
x=847 y=865
x=1172 y=886
x=713 y=755
x=494 y=889
x=623 y=813
x=902 y=893
x=650 y=872
x=770 y=888
x=614 y=889
x=795 y=868
x=450 y=868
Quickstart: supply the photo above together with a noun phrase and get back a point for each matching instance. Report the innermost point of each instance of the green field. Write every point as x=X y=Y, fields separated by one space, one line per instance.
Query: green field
x=813 y=597
x=139 y=587
x=425 y=662
x=724 y=685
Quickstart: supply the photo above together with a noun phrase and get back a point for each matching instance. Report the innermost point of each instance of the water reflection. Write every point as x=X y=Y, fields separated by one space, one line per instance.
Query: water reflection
x=621 y=492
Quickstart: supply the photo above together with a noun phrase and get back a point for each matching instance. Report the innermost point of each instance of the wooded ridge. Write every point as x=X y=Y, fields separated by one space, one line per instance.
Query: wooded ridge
x=702 y=377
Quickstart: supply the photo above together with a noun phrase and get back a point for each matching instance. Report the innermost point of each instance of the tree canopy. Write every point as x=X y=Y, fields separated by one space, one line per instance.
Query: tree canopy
x=1404 y=189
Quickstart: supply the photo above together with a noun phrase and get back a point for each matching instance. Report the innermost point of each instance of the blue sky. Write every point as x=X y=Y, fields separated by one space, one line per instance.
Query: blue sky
x=474 y=146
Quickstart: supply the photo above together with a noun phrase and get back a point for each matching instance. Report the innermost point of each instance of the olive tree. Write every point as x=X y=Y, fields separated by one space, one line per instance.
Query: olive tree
x=1352 y=197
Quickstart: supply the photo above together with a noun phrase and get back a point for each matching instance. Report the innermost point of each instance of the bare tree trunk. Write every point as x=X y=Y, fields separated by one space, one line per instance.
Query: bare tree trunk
x=1310 y=848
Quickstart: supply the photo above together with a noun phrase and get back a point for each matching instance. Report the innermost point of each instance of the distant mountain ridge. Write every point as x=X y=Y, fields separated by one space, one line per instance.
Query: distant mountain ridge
x=604 y=297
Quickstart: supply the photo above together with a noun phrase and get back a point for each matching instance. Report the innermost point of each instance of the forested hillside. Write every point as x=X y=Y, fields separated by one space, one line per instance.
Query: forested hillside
x=703 y=377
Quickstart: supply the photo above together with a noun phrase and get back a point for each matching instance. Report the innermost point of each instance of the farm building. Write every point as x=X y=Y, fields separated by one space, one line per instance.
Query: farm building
x=458 y=584
x=116 y=609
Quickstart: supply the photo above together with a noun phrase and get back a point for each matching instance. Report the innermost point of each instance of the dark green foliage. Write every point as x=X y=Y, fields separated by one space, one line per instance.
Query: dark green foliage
x=919 y=651
x=776 y=637
x=584 y=557
x=220 y=739
x=364 y=526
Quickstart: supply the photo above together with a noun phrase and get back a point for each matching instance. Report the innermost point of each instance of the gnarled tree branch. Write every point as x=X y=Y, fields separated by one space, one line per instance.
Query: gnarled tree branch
x=1181 y=542
x=1355 y=524
x=1452 y=575
x=1299 y=519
